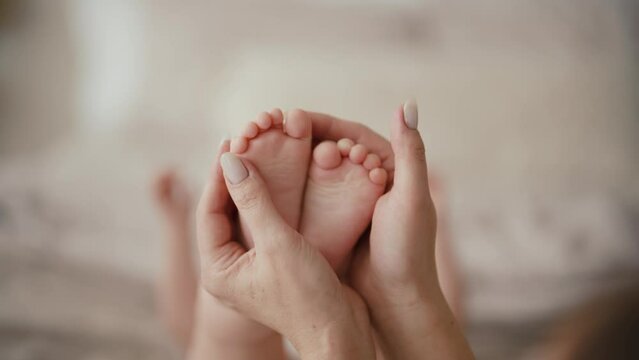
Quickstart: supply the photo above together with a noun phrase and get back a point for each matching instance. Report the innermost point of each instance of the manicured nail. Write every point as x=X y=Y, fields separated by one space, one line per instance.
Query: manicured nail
x=410 y=113
x=234 y=169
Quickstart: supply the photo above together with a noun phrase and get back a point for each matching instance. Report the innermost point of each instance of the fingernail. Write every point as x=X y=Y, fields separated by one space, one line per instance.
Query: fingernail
x=233 y=168
x=410 y=113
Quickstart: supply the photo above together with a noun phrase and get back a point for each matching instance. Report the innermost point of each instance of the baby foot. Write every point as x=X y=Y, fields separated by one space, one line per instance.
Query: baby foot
x=280 y=149
x=172 y=197
x=344 y=184
x=177 y=282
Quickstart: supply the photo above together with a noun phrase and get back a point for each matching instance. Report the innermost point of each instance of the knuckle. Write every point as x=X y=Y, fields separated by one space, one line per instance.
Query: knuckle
x=280 y=245
x=271 y=247
x=412 y=145
x=418 y=149
x=213 y=284
x=276 y=244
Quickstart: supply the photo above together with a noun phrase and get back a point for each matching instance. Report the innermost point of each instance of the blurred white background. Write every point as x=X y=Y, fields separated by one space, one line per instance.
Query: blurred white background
x=529 y=109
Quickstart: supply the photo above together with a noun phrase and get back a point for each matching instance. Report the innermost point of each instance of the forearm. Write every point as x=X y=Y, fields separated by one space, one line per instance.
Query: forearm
x=423 y=329
x=222 y=333
x=177 y=285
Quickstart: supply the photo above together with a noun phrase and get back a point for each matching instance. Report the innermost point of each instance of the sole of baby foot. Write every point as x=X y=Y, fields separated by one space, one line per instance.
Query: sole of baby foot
x=344 y=183
x=280 y=149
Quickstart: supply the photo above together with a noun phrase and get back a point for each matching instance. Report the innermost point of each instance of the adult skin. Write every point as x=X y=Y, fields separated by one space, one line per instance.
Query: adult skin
x=283 y=282
x=395 y=271
x=223 y=333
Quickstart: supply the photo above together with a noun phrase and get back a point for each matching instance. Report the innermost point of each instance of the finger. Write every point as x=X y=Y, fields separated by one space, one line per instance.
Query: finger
x=213 y=218
x=411 y=174
x=217 y=196
x=326 y=127
x=252 y=199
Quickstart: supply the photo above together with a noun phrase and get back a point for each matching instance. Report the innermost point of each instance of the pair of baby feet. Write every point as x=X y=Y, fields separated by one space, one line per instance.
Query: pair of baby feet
x=327 y=192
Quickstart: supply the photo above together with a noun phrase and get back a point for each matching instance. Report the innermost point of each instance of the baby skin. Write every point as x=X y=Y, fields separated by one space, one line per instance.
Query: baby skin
x=280 y=150
x=331 y=200
x=344 y=183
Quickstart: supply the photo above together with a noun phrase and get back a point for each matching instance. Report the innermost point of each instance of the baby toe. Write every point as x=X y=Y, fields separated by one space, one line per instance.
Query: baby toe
x=251 y=130
x=264 y=121
x=277 y=116
x=372 y=161
x=239 y=144
x=345 y=146
x=378 y=176
x=358 y=153
x=297 y=124
x=326 y=155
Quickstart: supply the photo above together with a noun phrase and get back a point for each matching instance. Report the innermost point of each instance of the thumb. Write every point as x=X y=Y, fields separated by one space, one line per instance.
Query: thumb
x=251 y=197
x=411 y=174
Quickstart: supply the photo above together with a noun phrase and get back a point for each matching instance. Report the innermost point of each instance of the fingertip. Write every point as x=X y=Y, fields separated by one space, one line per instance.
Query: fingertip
x=225 y=146
x=410 y=114
x=233 y=168
x=411 y=173
x=406 y=140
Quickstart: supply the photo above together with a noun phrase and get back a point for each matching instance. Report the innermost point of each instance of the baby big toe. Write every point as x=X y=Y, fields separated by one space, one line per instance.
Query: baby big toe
x=297 y=124
x=326 y=155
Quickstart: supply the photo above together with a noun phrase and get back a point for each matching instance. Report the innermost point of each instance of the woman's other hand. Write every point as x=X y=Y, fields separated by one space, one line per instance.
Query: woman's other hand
x=395 y=270
x=283 y=282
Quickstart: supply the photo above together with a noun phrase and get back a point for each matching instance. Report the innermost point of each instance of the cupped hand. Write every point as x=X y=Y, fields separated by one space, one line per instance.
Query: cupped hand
x=394 y=268
x=283 y=282
x=398 y=258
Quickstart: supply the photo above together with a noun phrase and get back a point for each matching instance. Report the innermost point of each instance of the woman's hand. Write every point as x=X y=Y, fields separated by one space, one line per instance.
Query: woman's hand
x=395 y=271
x=404 y=223
x=283 y=282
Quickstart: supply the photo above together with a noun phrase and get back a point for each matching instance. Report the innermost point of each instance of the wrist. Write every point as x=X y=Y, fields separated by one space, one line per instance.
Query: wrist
x=397 y=322
x=408 y=304
x=340 y=340
x=221 y=324
x=384 y=293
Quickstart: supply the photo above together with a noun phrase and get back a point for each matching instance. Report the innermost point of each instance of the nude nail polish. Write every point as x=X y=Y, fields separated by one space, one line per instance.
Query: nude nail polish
x=234 y=169
x=410 y=113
